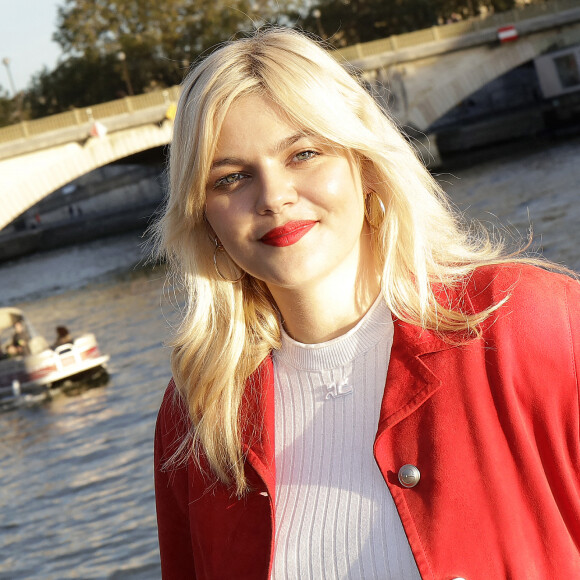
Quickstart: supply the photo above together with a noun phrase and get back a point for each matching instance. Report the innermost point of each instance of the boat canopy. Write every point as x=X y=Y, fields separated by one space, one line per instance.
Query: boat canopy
x=8 y=316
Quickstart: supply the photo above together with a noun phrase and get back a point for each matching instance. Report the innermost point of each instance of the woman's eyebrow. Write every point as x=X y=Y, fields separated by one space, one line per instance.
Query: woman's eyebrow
x=226 y=161
x=278 y=148
x=289 y=141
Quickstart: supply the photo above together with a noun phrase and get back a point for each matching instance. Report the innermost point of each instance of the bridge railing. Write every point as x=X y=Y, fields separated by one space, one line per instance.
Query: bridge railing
x=452 y=30
x=88 y=114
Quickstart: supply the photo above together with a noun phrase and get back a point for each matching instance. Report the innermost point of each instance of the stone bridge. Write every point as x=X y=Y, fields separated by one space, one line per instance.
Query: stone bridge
x=419 y=75
x=422 y=75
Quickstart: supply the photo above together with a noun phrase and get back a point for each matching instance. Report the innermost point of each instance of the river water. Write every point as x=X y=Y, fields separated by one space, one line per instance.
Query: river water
x=76 y=480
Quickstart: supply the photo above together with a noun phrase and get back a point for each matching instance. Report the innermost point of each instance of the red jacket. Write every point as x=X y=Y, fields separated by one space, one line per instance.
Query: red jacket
x=492 y=425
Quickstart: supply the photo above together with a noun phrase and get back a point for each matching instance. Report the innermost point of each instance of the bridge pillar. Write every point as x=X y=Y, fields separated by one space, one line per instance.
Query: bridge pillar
x=420 y=90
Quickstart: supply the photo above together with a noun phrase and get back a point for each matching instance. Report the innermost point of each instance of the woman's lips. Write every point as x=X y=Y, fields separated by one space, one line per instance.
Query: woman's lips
x=288 y=234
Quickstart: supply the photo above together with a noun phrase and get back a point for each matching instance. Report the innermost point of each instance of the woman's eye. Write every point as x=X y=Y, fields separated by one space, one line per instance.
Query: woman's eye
x=305 y=155
x=228 y=180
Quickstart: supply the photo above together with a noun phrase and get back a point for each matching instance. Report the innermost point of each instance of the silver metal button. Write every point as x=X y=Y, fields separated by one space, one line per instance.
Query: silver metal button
x=409 y=475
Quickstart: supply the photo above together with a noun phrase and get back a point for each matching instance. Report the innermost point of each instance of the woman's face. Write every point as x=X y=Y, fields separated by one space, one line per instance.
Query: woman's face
x=287 y=208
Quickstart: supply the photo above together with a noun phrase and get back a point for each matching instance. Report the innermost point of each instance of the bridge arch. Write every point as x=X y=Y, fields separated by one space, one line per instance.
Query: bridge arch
x=418 y=89
x=29 y=178
x=464 y=76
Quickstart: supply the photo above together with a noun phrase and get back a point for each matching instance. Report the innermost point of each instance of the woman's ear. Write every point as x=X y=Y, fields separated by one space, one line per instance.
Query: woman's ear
x=367 y=175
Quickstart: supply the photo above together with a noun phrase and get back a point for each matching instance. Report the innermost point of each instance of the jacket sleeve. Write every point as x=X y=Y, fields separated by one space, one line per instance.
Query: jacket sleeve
x=171 y=492
x=573 y=306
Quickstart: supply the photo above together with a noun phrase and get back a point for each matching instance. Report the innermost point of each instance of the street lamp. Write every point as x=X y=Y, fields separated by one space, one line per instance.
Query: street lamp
x=16 y=97
x=122 y=58
x=6 y=63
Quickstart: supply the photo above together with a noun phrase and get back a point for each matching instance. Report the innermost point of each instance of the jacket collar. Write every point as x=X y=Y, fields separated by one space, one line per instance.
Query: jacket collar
x=258 y=428
x=410 y=378
x=410 y=382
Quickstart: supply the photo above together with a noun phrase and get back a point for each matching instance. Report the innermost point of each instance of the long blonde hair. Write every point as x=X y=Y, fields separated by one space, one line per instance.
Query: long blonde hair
x=229 y=328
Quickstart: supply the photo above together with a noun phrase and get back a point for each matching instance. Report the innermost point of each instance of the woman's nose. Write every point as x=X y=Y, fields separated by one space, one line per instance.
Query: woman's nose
x=276 y=190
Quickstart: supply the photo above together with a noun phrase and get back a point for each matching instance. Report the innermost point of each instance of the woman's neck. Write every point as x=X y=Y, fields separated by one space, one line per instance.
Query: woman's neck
x=330 y=307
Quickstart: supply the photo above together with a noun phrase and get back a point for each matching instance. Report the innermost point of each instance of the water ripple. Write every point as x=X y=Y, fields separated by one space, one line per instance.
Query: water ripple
x=76 y=480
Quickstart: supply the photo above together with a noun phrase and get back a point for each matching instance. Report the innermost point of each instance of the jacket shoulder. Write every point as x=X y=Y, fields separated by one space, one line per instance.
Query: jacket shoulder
x=534 y=336
x=532 y=295
x=173 y=423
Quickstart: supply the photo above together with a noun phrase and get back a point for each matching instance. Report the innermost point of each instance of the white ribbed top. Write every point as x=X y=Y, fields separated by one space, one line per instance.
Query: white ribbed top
x=335 y=517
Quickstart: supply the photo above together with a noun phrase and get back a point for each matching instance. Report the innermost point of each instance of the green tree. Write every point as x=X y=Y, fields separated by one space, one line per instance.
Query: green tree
x=158 y=39
x=8 y=109
x=346 y=22
x=75 y=82
x=500 y=5
x=114 y=47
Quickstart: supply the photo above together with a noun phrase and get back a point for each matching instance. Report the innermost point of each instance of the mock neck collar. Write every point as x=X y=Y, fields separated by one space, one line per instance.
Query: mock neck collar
x=375 y=325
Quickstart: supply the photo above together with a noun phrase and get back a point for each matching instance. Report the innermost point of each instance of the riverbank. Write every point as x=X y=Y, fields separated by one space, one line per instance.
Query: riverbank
x=509 y=149
x=77 y=230
x=108 y=201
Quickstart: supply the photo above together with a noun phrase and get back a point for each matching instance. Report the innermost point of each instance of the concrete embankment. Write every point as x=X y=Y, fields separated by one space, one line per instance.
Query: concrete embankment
x=109 y=201
x=81 y=229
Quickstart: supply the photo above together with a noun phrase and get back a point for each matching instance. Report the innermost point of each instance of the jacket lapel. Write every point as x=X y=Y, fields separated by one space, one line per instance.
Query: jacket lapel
x=258 y=428
x=410 y=381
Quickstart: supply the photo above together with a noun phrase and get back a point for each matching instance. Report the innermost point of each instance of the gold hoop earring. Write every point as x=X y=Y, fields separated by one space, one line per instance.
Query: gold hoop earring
x=220 y=248
x=374 y=209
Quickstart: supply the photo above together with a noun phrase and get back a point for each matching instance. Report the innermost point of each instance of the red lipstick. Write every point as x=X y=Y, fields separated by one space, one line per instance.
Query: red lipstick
x=288 y=234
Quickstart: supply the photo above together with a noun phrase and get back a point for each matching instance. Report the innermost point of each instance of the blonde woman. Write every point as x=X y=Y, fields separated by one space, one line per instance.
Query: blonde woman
x=362 y=387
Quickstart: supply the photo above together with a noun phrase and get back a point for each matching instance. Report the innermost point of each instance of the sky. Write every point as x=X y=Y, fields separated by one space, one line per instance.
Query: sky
x=26 y=29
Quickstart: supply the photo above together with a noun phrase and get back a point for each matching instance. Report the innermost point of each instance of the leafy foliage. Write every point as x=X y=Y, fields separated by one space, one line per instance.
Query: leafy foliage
x=8 y=109
x=117 y=47
x=76 y=82
x=346 y=22
x=158 y=39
